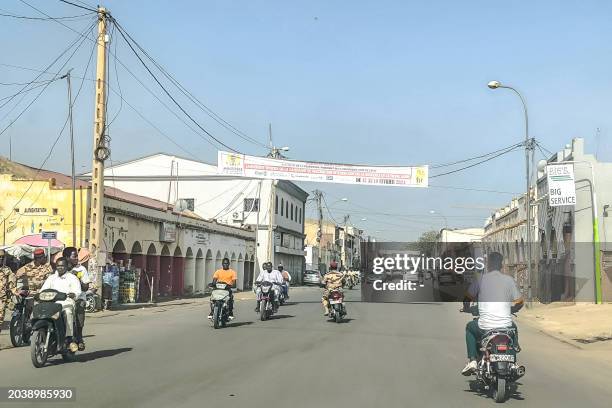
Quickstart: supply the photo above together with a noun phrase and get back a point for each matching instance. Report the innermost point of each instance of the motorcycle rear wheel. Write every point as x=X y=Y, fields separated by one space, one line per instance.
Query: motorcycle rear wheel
x=38 y=355
x=17 y=331
x=499 y=393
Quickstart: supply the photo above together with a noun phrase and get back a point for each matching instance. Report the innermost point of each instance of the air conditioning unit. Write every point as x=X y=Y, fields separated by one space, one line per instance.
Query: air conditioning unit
x=237 y=216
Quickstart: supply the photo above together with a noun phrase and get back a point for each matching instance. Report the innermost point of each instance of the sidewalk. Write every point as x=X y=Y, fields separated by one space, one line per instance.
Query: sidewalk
x=583 y=325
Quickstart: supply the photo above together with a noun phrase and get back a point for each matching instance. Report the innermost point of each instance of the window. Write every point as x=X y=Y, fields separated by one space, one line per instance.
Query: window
x=282 y=206
x=190 y=203
x=300 y=216
x=251 y=204
x=291 y=212
x=276 y=204
x=16 y=210
x=287 y=209
x=55 y=211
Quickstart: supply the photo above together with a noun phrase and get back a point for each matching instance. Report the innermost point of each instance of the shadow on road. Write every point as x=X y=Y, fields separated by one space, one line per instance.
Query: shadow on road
x=276 y=317
x=513 y=392
x=94 y=355
x=345 y=320
x=238 y=324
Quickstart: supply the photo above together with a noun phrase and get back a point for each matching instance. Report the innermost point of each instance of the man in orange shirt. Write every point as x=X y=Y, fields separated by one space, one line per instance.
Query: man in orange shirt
x=228 y=276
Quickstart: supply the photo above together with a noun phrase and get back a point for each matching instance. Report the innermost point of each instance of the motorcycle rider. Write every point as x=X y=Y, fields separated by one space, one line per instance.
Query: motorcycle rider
x=268 y=275
x=229 y=277
x=498 y=297
x=332 y=280
x=286 y=279
x=35 y=272
x=65 y=282
x=72 y=255
x=8 y=283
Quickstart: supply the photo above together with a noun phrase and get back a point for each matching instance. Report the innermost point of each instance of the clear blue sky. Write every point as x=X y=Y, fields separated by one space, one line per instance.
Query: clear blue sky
x=383 y=82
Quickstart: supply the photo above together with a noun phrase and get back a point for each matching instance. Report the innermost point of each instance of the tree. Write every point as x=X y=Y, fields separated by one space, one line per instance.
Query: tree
x=427 y=242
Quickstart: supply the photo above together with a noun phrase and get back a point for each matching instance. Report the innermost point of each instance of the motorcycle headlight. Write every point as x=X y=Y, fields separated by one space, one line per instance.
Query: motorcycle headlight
x=47 y=296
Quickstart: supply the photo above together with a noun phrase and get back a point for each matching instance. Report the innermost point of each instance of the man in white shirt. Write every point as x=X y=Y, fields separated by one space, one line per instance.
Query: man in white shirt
x=498 y=297
x=71 y=254
x=65 y=282
x=268 y=275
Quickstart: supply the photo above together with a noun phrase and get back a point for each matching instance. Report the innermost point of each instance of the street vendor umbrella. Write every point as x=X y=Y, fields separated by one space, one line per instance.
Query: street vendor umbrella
x=36 y=240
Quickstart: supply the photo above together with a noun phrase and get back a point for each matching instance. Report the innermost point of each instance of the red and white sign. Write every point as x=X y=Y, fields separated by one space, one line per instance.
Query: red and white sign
x=240 y=165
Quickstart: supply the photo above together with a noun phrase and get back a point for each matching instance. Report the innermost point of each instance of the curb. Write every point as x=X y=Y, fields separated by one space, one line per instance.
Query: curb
x=532 y=322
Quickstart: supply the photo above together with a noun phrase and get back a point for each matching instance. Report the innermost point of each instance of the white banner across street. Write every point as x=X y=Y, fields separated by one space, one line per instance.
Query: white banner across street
x=240 y=165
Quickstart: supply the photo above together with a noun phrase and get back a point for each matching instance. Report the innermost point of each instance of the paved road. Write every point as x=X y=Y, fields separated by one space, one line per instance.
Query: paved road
x=387 y=355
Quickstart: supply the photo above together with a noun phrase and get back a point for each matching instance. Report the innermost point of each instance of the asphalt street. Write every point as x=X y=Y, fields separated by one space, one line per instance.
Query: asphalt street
x=386 y=355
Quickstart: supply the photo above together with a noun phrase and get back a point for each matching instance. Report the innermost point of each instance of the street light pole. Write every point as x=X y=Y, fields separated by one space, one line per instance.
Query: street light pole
x=432 y=212
x=528 y=148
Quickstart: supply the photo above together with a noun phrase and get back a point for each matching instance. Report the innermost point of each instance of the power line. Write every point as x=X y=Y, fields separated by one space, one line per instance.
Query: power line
x=475 y=164
x=216 y=117
x=44 y=88
x=474 y=189
x=435 y=166
x=45 y=18
x=76 y=5
x=168 y=93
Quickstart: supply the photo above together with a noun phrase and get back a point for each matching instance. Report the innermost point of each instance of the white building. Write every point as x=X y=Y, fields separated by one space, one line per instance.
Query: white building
x=238 y=202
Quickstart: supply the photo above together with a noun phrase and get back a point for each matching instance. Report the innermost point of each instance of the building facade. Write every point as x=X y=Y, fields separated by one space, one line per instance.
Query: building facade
x=274 y=209
x=177 y=250
x=571 y=254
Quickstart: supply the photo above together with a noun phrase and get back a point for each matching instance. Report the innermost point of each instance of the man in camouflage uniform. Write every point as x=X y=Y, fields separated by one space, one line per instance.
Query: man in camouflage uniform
x=35 y=272
x=7 y=285
x=332 y=280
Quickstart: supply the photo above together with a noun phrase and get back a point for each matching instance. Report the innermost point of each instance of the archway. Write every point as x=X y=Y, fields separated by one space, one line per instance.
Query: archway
x=178 y=272
x=200 y=272
x=210 y=267
x=150 y=275
x=165 y=272
x=120 y=255
x=190 y=272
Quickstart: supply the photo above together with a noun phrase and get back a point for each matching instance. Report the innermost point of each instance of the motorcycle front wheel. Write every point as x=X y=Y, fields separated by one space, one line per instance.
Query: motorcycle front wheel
x=499 y=393
x=37 y=348
x=263 y=312
x=217 y=317
x=17 y=331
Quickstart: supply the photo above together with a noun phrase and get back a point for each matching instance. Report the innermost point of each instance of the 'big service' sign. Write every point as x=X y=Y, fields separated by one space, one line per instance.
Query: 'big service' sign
x=561 y=185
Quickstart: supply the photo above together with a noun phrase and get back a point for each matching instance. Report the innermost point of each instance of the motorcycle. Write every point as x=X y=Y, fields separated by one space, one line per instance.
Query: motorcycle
x=282 y=297
x=219 y=299
x=497 y=364
x=20 y=328
x=49 y=328
x=91 y=301
x=337 y=311
x=267 y=305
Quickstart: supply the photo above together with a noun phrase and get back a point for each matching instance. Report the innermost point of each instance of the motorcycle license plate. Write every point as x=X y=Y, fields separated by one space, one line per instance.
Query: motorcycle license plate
x=501 y=357
x=334 y=302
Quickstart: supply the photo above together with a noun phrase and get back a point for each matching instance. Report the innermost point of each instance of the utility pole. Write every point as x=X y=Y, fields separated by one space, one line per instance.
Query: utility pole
x=101 y=152
x=318 y=196
x=67 y=76
x=345 y=259
x=275 y=153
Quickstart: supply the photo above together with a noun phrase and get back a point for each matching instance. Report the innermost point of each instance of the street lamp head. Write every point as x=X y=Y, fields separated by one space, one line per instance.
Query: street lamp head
x=284 y=149
x=494 y=84
x=364 y=219
x=432 y=212
x=344 y=199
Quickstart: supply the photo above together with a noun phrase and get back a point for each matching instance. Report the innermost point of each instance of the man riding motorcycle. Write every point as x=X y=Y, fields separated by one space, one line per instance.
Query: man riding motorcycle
x=498 y=297
x=268 y=275
x=333 y=281
x=286 y=279
x=229 y=277
x=65 y=282
x=72 y=255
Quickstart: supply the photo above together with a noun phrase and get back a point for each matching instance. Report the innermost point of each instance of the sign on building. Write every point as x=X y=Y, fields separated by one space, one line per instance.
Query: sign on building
x=240 y=165
x=167 y=233
x=49 y=235
x=561 y=185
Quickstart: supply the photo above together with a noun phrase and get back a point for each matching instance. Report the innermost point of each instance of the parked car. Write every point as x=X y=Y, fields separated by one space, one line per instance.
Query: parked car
x=312 y=277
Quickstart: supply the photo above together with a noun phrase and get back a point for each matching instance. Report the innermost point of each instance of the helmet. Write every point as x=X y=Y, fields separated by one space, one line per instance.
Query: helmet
x=280 y=266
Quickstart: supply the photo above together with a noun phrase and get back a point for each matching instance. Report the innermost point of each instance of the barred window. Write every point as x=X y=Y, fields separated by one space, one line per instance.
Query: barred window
x=251 y=204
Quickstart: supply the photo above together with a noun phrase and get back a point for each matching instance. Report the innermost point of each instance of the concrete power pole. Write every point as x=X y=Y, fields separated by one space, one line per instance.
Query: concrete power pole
x=101 y=152
x=318 y=196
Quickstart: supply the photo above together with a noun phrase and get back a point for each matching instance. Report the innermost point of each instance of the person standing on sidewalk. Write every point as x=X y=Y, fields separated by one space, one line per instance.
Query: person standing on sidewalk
x=8 y=283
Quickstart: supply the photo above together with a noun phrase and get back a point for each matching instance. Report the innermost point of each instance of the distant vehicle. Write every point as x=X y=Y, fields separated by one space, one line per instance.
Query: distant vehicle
x=312 y=277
